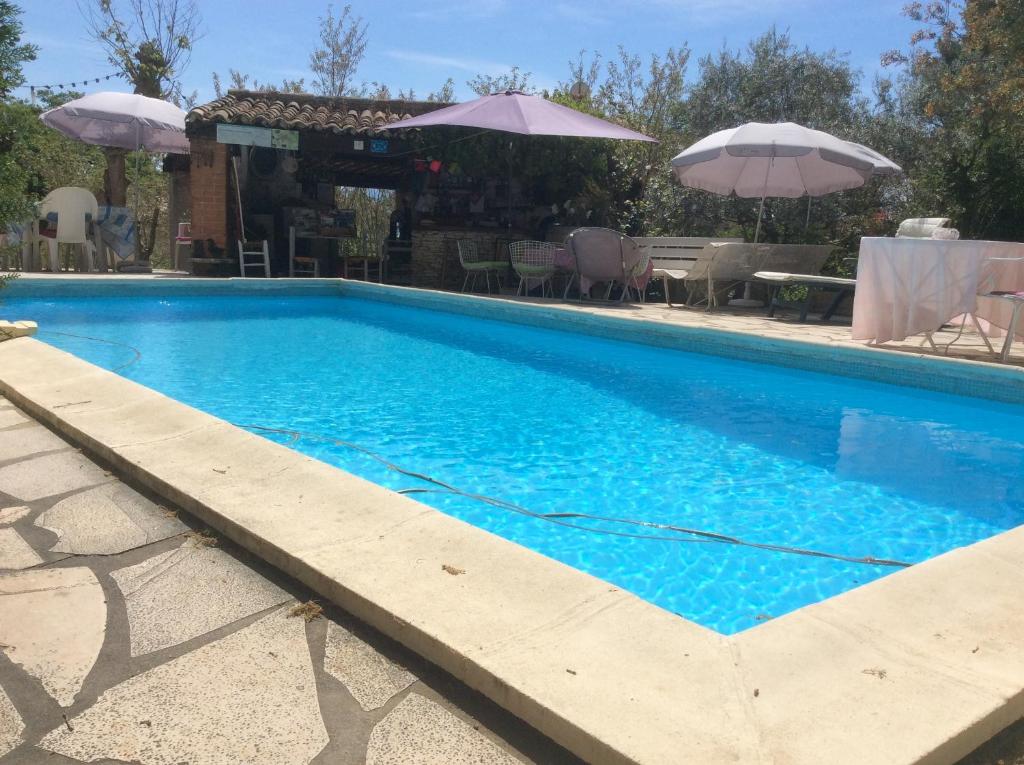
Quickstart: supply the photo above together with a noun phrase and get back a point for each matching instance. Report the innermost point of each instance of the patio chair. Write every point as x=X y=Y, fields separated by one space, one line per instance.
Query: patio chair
x=1015 y=298
x=533 y=261
x=371 y=253
x=597 y=253
x=674 y=256
x=74 y=207
x=635 y=262
x=475 y=263
x=254 y=255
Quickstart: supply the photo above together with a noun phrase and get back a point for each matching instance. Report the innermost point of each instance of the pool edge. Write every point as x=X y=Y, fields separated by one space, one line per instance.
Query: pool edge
x=963 y=377
x=648 y=687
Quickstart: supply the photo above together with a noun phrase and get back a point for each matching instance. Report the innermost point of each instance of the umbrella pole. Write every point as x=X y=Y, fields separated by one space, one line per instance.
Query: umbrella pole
x=747 y=301
x=807 y=222
x=509 y=195
x=760 y=213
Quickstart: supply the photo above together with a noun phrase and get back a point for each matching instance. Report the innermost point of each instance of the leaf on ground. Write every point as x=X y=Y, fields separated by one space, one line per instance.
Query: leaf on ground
x=309 y=610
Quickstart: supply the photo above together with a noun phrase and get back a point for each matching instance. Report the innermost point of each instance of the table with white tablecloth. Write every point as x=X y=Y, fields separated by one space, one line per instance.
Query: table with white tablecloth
x=911 y=286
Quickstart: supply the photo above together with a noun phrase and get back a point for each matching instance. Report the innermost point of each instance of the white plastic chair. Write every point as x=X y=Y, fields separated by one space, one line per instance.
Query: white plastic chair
x=71 y=204
x=254 y=258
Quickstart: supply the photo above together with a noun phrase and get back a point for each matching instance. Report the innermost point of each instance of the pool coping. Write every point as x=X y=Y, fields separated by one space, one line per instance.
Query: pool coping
x=921 y=666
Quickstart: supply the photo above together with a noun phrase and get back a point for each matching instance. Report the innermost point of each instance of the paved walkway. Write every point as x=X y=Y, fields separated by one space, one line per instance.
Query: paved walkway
x=129 y=633
x=950 y=341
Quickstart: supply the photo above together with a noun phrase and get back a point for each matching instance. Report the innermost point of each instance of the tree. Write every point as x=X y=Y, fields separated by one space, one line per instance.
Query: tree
x=774 y=80
x=964 y=84
x=513 y=79
x=16 y=120
x=13 y=53
x=241 y=81
x=343 y=44
x=149 y=41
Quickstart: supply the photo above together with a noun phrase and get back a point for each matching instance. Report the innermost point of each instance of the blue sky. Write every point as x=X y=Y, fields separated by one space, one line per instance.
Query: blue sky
x=420 y=43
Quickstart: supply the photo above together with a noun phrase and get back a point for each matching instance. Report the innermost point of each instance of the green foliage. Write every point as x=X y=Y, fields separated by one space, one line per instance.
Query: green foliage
x=13 y=53
x=239 y=81
x=963 y=90
x=148 y=197
x=513 y=79
x=35 y=159
x=342 y=47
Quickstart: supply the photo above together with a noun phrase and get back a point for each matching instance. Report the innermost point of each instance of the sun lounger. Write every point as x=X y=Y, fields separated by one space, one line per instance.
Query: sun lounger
x=777 y=280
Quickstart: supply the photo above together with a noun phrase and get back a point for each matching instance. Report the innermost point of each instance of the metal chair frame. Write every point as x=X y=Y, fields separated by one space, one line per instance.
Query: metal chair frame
x=474 y=264
x=533 y=260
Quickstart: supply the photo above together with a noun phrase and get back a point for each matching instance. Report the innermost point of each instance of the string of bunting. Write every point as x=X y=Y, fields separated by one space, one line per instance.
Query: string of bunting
x=83 y=82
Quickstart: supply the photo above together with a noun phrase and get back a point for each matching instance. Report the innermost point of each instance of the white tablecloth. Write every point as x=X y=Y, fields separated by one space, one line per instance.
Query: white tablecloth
x=909 y=286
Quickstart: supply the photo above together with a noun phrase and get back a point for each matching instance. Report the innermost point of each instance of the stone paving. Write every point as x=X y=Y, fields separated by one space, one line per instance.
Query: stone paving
x=949 y=340
x=130 y=634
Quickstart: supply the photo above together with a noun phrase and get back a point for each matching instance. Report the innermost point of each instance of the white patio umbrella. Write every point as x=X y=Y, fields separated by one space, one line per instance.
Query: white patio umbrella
x=773 y=160
x=883 y=166
x=781 y=159
x=122 y=120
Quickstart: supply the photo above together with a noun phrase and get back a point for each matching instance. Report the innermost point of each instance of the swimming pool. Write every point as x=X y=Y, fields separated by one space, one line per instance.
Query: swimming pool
x=561 y=423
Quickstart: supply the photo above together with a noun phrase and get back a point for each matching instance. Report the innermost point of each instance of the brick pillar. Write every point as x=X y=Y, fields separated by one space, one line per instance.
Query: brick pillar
x=209 y=187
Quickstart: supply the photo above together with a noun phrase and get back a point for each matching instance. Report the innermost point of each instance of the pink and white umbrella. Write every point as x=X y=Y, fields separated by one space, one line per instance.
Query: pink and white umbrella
x=781 y=159
x=122 y=120
x=513 y=111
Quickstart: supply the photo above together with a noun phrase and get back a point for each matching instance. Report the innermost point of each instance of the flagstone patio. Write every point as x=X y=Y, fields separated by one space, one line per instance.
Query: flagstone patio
x=129 y=634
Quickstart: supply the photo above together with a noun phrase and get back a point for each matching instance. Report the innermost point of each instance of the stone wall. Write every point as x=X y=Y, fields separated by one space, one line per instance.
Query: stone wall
x=435 y=254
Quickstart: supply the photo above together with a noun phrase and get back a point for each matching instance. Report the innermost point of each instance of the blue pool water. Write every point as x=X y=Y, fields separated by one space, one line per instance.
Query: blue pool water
x=561 y=422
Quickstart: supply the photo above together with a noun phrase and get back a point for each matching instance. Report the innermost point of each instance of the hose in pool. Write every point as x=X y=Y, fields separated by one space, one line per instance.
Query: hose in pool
x=132 y=348
x=560 y=519
x=563 y=519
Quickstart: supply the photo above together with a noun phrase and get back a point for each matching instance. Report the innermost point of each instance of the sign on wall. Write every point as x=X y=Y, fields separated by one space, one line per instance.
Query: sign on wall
x=250 y=135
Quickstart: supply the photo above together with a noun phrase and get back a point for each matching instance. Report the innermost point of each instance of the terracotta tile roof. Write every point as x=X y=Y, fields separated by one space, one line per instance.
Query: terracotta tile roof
x=301 y=111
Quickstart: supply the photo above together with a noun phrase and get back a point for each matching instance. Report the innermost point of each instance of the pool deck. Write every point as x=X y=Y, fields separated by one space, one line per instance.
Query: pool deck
x=113 y=608
x=921 y=666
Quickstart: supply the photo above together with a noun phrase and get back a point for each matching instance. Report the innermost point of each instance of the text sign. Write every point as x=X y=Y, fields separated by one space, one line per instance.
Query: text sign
x=250 y=135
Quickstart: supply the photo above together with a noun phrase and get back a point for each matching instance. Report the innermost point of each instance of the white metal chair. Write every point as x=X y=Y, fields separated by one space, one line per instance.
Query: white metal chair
x=371 y=252
x=71 y=204
x=254 y=258
x=1014 y=298
x=475 y=263
x=533 y=261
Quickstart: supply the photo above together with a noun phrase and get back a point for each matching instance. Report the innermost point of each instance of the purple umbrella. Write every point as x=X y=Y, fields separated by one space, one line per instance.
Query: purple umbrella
x=122 y=120
x=516 y=112
x=513 y=111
